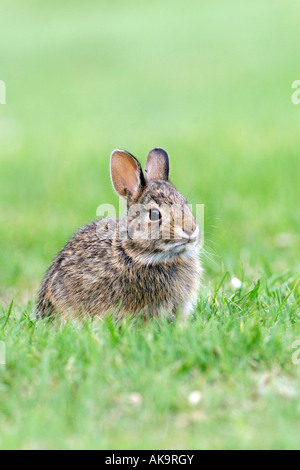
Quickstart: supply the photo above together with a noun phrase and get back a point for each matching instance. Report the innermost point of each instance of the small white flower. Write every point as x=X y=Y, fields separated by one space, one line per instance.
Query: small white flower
x=195 y=397
x=284 y=240
x=135 y=399
x=236 y=283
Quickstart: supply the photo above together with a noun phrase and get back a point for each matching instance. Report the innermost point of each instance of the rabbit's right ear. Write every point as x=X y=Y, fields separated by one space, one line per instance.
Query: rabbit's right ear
x=157 y=165
x=126 y=173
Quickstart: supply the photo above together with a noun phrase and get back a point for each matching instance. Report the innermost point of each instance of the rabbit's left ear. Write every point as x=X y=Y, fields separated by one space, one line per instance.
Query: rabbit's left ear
x=157 y=166
x=126 y=174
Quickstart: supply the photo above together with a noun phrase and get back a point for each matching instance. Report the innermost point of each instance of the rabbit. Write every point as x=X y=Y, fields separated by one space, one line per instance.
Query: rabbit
x=114 y=266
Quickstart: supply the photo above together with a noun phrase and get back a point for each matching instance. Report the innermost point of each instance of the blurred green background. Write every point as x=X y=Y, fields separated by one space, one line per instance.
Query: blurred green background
x=208 y=81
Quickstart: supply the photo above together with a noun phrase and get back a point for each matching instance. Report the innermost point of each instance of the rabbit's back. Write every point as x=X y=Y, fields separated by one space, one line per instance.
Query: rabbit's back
x=72 y=281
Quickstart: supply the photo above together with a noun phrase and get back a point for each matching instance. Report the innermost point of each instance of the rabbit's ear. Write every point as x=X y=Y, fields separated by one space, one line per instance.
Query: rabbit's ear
x=157 y=166
x=126 y=173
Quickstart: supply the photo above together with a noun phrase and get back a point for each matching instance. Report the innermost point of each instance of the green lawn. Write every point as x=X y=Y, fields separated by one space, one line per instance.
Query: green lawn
x=211 y=83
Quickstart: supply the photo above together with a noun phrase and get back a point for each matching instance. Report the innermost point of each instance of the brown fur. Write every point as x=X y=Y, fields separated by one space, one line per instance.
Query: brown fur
x=95 y=274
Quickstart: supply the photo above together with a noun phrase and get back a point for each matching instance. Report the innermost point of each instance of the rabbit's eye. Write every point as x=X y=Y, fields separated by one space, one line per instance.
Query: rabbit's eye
x=154 y=215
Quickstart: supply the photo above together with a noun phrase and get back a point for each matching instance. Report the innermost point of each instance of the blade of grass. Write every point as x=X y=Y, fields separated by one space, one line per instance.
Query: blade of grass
x=8 y=314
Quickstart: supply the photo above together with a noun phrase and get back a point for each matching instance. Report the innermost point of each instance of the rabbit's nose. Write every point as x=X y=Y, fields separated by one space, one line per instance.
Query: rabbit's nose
x=189 y=232
x=190 y=229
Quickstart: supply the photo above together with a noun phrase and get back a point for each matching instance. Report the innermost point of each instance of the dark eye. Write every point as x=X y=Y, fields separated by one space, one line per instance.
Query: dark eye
x=154 y=215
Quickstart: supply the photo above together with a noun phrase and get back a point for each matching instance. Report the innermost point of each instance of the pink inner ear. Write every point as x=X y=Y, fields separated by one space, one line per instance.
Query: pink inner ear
x=131 y=178
x=125 y=173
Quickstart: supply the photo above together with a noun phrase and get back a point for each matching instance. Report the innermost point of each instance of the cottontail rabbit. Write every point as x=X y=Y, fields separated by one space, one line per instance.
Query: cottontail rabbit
x=145 y=263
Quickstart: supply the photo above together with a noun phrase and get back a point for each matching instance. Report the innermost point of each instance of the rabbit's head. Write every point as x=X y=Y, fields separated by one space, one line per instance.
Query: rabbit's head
x=159 y=223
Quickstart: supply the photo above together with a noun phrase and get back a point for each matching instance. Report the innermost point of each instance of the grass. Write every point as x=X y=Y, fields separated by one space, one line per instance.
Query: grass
x=102 y=385
x=211 y=83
